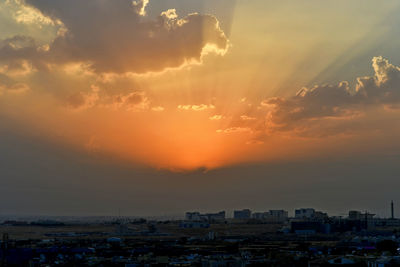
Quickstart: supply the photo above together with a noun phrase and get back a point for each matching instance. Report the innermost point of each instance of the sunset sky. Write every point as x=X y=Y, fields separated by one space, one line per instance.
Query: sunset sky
x=156 y=107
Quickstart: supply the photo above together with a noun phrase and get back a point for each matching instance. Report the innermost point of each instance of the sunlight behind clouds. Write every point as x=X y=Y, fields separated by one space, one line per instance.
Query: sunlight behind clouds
x=186 y=88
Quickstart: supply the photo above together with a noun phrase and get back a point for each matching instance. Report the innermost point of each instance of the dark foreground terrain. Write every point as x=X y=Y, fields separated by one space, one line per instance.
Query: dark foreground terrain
x=169 y=243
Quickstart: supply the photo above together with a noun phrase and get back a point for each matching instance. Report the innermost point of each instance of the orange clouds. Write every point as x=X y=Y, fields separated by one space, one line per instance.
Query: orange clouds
x=200 y=107
x=15 y=88
x=216 y=117
x=81 y=100
x=235 y=130
x=111 y=82
x=130 y=126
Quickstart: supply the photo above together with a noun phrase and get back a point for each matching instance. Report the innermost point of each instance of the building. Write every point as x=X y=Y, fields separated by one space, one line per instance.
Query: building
x=193 y=216
x=304 y=213
x=319 y=215
x=354 y=215
x=198 y=217
x=242 y=214
x=277 y=215
x=358 y=215
x=273 y=216
x=259 y=215
x=220 y=216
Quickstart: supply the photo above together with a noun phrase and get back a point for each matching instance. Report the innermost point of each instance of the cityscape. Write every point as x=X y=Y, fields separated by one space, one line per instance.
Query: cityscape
x=204 y=133
x=271 y=238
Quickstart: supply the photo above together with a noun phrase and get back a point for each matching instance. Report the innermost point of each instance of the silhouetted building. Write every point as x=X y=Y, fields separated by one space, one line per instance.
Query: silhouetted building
x=304 y=213
x=319 y=215
x=242 y=214
x=197 y=216
x=259 y=215
x=277 y=216
x=358 y=215
x=220 y=216
x=193 y=216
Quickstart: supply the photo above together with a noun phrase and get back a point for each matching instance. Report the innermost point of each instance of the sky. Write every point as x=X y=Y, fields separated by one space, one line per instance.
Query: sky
x=157 y=107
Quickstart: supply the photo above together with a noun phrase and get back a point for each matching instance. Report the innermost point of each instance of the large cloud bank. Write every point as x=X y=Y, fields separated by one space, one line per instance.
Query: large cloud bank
x=329 y=110
x=115 y=36
x=335 y=101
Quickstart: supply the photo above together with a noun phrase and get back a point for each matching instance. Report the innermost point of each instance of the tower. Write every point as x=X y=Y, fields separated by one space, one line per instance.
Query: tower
x=392 y=209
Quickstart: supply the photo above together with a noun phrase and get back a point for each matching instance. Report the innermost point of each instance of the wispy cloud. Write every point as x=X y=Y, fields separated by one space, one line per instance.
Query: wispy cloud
x=200 y=107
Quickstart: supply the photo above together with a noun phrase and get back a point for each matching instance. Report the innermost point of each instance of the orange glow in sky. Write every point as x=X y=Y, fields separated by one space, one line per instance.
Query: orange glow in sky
x=176 y=88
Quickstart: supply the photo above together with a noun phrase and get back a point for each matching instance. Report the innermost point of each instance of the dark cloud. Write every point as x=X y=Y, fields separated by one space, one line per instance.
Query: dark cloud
x=114 y=36
x=82 y=100
x=321 y=103
x=16 y=50
x=133 y=101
